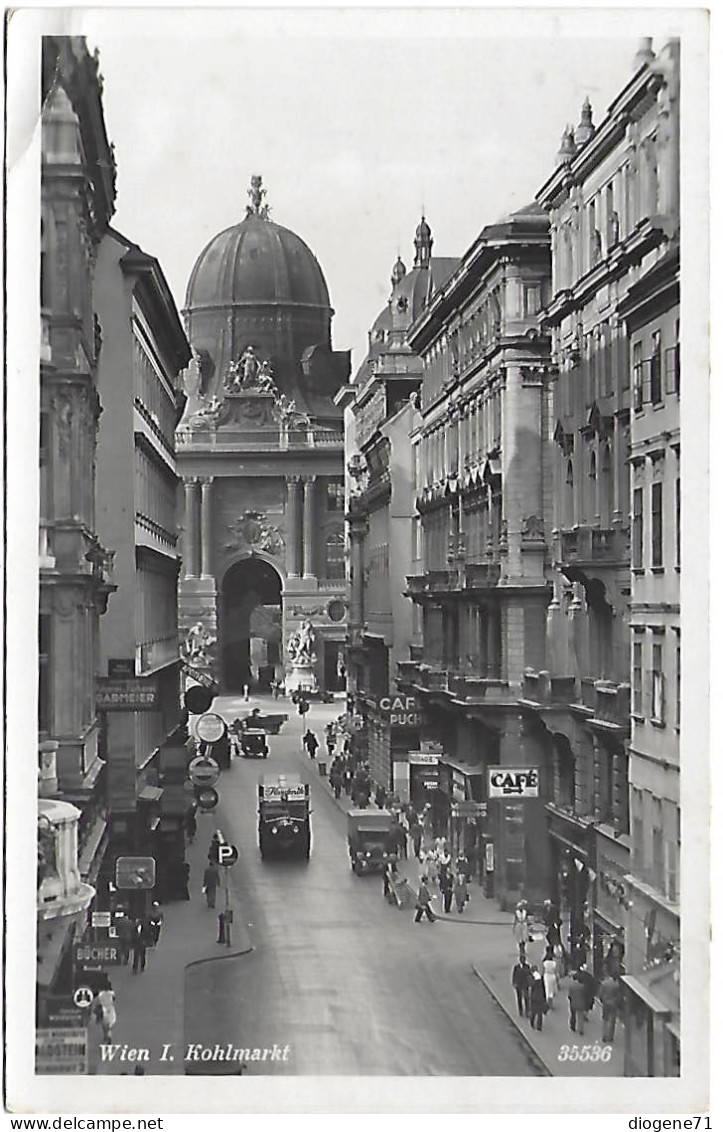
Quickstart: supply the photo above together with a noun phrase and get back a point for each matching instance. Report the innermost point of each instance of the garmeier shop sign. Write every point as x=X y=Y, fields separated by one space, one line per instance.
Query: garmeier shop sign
x=125 y=695
x=513 y=782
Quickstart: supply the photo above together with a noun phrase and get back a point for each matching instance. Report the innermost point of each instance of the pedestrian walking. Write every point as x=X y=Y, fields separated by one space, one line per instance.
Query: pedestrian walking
x=611 y=999
x=311 y=743
x=336 y=777
x=538 y=1002
x=348 y=779
x=211 y=881
x=124 y=933
x=380 y=797
x=521 y=976
x=578 y=998
x=589 y=982
x=155 y=923
x=520 y=925
x=213 y=848
x=461 y=891
x=184 y=878
x=191 y=825
x=139 y=945
x=549 y=975
x=400 y=838
x=390 y=877
x=416 y=831
x=275 y=689
x=424 y=899
x=105 y=1010
x=246 y=693
x=446 y=887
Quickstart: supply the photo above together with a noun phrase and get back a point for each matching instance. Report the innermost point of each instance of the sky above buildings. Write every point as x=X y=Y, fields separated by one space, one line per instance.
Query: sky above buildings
x=356 y=119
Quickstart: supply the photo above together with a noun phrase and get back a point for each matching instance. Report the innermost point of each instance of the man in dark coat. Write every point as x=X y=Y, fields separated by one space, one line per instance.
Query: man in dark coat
x=578 y=998
x=311 y=743
x=446 y=886
x=538 y=999
x=589 y=982
x=141 y=939
x=211 y=881
x=521 y=976
x=611 y=998
x=416 y=831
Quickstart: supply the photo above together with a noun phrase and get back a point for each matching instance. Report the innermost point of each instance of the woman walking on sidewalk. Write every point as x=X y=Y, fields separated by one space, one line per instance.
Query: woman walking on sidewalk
x=461 y=892
x=549 y=975
x=211 y=881
x=105 y=1010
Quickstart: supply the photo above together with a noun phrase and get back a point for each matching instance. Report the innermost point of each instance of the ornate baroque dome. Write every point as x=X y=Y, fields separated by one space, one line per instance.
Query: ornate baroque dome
x=257 y=262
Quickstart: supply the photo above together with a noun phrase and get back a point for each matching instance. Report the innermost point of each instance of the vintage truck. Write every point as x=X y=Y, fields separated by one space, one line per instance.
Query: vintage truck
x=284 y=814
x=368 y=839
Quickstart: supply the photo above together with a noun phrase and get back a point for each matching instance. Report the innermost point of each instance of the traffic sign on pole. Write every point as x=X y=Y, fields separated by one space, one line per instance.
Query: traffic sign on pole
x=83 y=997
x=207 y=798
x=198 y=699
x=227 y=854
x=204 y=771
x=210 y=727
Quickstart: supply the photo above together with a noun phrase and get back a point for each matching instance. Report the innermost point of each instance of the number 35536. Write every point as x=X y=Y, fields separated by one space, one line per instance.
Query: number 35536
x=585 y=1053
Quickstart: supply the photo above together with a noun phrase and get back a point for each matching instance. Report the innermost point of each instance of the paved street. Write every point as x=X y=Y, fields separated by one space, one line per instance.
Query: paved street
x=348 y=983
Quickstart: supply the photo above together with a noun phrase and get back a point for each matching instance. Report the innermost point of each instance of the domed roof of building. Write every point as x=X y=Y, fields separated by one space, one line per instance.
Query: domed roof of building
x=257 y=261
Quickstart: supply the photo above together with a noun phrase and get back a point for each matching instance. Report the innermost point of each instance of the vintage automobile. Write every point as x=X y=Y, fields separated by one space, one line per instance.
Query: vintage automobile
x=284 y=815
x=253 y=743
x=368 y=839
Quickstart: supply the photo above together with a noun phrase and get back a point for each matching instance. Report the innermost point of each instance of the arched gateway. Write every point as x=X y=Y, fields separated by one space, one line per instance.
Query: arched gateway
x=260 y=448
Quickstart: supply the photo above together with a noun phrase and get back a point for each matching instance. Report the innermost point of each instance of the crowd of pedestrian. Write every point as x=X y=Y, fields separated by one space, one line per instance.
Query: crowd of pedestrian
x=537 y=985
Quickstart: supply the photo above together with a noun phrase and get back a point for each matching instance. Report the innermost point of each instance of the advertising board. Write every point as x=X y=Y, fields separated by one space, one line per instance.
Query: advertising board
x=513 y=782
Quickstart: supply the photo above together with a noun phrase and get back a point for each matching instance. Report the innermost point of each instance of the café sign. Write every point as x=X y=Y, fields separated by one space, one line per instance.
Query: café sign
x=399 y=711
x=513 y=782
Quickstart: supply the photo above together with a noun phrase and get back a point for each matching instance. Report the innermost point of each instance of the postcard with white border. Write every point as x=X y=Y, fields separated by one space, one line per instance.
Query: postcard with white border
x=357 y=560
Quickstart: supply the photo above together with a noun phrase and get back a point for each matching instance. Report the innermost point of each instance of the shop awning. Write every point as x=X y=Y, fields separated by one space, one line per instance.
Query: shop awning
x=463 y=767
x=658 y=988
x=150 y=794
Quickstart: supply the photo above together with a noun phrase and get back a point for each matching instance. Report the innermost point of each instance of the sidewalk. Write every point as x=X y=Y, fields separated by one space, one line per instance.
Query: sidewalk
x=150 y=1005
x=554 y=1045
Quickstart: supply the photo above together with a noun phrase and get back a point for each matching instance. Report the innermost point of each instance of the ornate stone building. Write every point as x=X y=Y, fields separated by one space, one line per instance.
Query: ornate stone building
x=483 y=529
x=383 y=623
x=77 y=201
x=260 y=450
x=613 y=209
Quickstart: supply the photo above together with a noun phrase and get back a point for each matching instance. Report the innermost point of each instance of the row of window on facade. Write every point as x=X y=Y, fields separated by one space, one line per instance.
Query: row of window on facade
x=610 y=215
x=656 y=652
x=467 y=639
x=659 y=373
x=454 y=351
x=153 y=396
x=453 y=445
x=649 y=553
x=655 y=830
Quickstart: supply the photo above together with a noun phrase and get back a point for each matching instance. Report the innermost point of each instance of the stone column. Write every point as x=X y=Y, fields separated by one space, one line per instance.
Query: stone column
x=293 y=522
x=309 y=565
x=191 y=547
x=206 y=527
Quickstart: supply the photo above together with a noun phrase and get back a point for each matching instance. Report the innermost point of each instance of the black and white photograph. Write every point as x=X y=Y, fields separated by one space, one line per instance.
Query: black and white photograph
x=357 y=379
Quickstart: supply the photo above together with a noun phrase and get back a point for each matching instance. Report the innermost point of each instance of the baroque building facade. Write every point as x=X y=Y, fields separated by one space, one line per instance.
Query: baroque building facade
x=75 y=569
x=144 y=349
x=482 y=537
x=383 y=624
x=612 y=202
x=260 y=451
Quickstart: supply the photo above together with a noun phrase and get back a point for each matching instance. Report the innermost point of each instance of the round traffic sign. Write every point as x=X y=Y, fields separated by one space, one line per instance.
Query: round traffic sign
x=207 y=798
x=83 y=997
x=198 y=699
x=226 y=854
x=210 y=727
x=204 y=771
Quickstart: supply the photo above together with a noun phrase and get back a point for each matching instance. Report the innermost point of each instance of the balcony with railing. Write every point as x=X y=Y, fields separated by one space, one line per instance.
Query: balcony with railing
x=481 y=575
x=612 y=705
x=257 y=439
x=595 y=546
x=546 y=690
